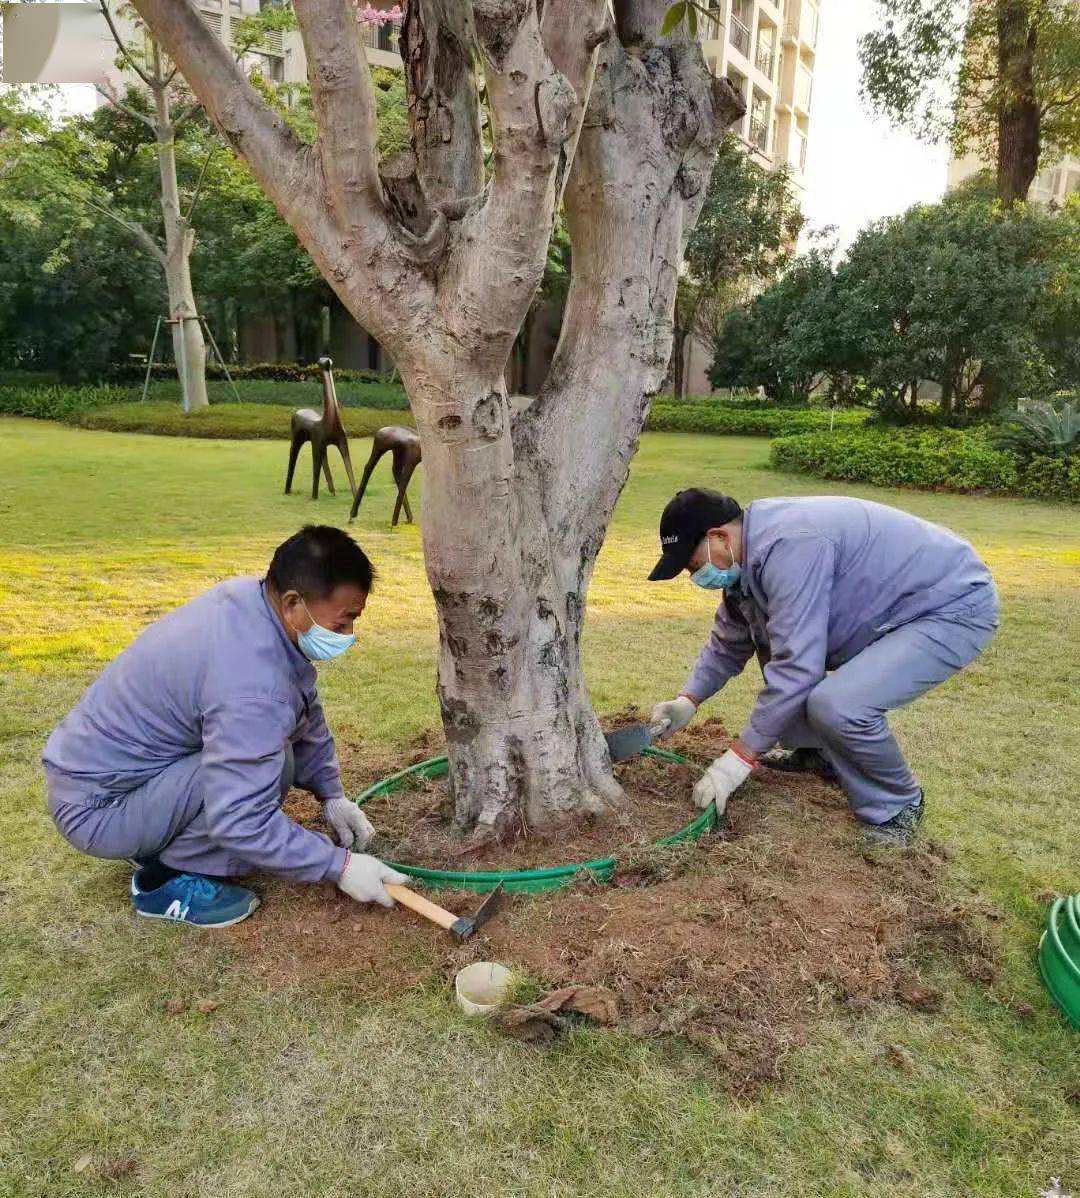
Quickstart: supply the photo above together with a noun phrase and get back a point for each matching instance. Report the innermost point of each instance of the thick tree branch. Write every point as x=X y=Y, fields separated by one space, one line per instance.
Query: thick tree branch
x=636 y=187
x=486 y=296
x=344 y=101
x=444 y=109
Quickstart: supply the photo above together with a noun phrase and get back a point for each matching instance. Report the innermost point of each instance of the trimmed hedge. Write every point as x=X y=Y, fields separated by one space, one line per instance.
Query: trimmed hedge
x=946 y=459
x=722 y=419
x=54 y=402
x=275 y=372
x=234 y=421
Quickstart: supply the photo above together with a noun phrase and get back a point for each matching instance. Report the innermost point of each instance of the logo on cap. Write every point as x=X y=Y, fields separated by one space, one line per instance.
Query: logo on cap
x=669 y=540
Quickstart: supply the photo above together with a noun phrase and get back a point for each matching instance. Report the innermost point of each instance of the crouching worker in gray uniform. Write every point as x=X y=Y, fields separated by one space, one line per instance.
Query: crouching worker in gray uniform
x=852 y=608
x=179 y=756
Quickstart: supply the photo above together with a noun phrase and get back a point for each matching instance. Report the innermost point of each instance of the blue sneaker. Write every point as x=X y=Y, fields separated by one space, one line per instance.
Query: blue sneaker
x=189 y=898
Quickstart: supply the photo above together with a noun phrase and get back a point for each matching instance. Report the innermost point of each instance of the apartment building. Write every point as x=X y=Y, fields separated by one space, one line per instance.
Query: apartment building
x=767 y=49
x=1053 y=184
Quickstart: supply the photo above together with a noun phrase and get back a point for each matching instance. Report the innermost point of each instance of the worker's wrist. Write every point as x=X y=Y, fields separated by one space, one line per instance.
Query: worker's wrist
x=743 y=753
x=696 y=702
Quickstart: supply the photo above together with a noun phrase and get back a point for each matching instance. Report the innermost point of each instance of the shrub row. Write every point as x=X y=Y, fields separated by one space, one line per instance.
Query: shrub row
x=721 y=418
x=276 y=372
x=946 y=459
x=55 y=402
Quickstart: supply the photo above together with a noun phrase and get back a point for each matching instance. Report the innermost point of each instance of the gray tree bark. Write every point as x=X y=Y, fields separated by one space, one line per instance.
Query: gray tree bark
x=518 y=495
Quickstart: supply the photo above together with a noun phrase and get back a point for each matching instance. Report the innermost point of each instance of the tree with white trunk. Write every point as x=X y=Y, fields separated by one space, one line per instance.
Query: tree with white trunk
x=588 y=104
x=174 y=257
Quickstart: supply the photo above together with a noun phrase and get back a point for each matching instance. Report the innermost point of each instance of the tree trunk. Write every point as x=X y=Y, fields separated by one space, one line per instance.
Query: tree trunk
x=678 y=363
x=517 y=497
x=189 y=346
x=1019 y=119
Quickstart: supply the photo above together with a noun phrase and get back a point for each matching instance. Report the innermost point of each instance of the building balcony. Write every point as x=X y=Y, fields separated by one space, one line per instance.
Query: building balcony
x=739 y=36
x=765 y=60
x=759 y=134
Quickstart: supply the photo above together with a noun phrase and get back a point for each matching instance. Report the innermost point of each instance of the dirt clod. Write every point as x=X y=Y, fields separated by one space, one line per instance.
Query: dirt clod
x=900 y=1058
x=530 y=1023
x=737 y=943
x=205 y=1006
x=918 y=996
x=173 y=1006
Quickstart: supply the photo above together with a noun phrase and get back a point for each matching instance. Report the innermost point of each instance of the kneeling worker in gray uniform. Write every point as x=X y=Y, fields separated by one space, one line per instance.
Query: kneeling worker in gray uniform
x=852 y=608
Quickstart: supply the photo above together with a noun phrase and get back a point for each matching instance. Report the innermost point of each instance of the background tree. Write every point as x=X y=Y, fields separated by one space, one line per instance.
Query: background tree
x=998 y=77
x=782 y=340
x=966 y=294
x=744 y=235
x=441 y=265
x=73 y=296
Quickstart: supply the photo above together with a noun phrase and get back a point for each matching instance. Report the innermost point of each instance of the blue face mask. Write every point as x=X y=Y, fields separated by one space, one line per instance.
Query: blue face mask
x=320 y=644
x=713 y=578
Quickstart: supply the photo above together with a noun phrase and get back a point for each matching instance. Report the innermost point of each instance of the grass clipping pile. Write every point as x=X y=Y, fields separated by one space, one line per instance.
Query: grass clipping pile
x=737 y=942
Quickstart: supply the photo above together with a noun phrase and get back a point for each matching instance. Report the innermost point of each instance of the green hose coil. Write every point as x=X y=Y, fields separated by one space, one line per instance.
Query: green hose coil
x=527 y=881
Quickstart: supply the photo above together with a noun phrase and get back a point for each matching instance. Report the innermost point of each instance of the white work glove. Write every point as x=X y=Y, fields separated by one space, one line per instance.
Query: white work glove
x=364 y=878
x=720 y=780
x=351 y=826
x=672 y=716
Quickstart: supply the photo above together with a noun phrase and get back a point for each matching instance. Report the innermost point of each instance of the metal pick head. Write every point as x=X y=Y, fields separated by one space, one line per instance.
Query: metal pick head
x=489 y=906
x=465 y=928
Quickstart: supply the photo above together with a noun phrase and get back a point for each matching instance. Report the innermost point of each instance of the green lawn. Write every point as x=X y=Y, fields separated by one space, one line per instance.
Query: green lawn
x=307 y=1091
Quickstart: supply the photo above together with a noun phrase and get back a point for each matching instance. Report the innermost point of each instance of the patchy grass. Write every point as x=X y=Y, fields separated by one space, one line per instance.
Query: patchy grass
x=314 y=1089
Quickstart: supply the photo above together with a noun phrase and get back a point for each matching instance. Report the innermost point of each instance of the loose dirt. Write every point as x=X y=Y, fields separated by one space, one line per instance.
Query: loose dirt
x=737 y=943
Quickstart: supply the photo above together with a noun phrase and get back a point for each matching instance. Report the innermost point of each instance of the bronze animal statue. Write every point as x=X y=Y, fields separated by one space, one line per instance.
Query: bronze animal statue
x=404 y=445
x=322 y=431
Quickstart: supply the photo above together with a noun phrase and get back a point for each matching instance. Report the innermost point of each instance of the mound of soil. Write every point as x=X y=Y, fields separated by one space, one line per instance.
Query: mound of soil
x=737 y=942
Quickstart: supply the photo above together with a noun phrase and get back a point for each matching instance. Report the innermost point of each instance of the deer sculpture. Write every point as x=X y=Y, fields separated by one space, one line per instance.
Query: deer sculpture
x=404 y=445
x=322 y=431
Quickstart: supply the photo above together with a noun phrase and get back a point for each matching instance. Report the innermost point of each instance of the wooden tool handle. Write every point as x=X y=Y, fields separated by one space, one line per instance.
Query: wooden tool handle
x=422 y=906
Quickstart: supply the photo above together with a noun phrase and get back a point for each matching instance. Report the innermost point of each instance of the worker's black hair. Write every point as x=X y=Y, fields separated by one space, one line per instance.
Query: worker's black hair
x=317 y=559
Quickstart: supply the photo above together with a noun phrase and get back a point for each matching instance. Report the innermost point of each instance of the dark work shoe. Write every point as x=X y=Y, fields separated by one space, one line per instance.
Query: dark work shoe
x=899 y=831
x=800 y=761
x=189 y=898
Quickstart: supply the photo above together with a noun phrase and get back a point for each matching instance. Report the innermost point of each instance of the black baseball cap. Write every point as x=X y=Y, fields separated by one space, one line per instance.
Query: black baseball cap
x=686 y=519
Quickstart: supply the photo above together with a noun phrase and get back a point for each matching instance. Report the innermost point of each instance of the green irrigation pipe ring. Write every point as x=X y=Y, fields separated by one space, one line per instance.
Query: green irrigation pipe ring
x=528 y=881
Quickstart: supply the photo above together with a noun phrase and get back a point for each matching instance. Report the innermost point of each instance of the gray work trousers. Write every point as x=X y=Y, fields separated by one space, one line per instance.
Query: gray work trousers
x=163 y=818
x=844 y=715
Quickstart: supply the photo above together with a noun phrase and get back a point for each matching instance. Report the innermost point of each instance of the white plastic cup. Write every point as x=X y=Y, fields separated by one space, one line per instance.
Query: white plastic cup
x=481 y=987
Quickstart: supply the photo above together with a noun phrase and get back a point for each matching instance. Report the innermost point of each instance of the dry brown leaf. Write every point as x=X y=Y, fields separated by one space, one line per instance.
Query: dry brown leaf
x=174 y=1006
x=592 y=1002
x=205 y=1005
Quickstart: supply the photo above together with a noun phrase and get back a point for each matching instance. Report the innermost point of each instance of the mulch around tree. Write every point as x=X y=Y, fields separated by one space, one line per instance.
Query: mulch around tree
x=737 y=943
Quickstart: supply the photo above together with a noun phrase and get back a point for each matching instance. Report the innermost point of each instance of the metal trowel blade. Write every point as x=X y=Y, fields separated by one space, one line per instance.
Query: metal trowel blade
x=628 y=742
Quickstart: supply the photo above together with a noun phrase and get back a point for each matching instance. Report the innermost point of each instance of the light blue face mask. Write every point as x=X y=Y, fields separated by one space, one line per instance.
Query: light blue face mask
x=320 y=644
x=713 y=578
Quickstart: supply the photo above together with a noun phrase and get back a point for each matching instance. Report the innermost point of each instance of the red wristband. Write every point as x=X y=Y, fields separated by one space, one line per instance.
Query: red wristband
x=744 y=755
